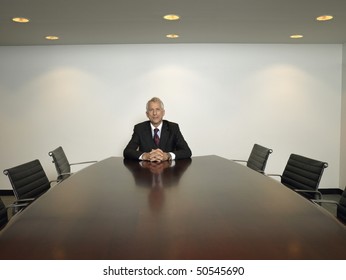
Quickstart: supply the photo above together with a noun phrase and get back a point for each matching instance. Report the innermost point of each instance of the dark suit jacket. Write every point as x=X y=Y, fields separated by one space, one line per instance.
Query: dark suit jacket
x=171 y=140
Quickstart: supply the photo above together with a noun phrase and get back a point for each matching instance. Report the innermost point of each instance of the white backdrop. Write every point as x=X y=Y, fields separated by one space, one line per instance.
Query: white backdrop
x=226 y=97
x=343 y=124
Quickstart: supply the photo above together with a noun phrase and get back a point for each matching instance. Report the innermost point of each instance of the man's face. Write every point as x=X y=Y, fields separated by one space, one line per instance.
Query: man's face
x=155 y=113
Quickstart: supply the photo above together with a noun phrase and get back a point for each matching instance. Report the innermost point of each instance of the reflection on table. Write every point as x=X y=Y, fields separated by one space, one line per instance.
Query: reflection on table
x=157 y=176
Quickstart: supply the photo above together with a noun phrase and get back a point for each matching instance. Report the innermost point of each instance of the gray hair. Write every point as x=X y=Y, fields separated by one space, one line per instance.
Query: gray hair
x=156 y=100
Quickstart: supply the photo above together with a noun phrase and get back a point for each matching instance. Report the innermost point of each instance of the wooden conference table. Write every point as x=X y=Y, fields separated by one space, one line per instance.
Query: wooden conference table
x=204 y=208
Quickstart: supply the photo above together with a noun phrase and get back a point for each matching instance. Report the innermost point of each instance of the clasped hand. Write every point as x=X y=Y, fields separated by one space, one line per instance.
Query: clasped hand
x=156 y=155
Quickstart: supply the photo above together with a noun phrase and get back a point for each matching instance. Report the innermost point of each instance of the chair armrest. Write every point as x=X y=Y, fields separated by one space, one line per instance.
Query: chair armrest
x=61 y=176
x=259 y=171
x=24 y=200
x=325 y=201
x=66 y=173
x=274 y=175
x=239 y=160
x=309 y=191
x=14 y=205
x=83 y=162
x=19 y=205
x=54 y=181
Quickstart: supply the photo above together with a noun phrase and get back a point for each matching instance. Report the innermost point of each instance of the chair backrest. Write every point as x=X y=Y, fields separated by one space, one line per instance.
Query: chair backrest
x=258 y=158
x=61 y=163
x=341 y=208
x=303 y=173
x=3 y=215
x=28 y=180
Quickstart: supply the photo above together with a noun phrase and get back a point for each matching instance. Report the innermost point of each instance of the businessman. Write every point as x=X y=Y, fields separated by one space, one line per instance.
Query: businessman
x=156 y=139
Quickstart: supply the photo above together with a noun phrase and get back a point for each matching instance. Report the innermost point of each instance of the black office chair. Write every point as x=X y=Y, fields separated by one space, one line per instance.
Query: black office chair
x=28 y=180
x=340 y=206
x=258 y=158
x=303 y=175
x=3 y=214
x=4 y=217
x=62 y=165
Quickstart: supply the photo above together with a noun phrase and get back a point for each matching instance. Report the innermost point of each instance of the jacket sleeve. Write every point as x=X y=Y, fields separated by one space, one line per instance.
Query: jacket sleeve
x=132 y=151
x=182 y=149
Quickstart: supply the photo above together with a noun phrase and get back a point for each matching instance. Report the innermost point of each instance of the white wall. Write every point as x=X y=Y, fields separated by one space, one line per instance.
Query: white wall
x=343 y=124
x=225 y=98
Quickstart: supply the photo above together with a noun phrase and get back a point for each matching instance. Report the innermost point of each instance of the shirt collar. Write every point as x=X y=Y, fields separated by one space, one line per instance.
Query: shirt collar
x=159 y=127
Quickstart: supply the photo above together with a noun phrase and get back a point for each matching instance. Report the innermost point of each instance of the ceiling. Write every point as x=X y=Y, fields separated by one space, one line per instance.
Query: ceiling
x=141 y=22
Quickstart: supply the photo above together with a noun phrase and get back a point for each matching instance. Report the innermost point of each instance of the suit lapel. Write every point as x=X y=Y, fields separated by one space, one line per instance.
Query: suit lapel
x=164 y=135
x=148 y=134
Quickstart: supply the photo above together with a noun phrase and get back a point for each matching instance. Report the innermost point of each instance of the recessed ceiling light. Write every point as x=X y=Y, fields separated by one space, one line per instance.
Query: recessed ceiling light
x=324 y=18
x=296 y=36
x=52 y=38
x=172 y=36
x=20 y=19
x=171 y=17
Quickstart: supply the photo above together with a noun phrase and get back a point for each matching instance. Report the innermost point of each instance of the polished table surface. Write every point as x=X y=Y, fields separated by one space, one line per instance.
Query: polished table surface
x=207 y=207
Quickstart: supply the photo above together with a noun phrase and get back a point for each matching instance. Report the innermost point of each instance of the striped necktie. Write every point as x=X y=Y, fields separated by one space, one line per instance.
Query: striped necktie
x=156 y=137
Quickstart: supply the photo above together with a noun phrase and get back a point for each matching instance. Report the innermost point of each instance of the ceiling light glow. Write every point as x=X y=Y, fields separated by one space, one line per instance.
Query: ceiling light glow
x=172 y=36
x=20 y=19
x=171 y=17
x=296 y=36
x=324 y=18
x=52 y=38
